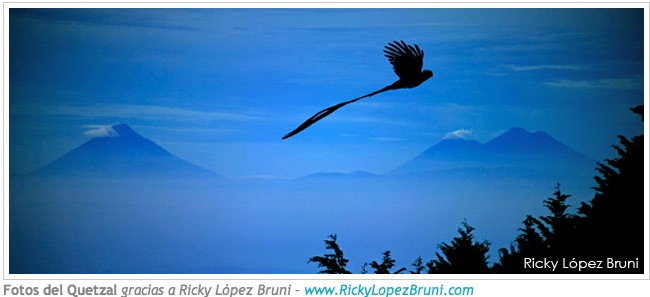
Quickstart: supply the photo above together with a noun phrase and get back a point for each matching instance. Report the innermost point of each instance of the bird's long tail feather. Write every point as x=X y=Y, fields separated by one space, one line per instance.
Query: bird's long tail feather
x=327 y=111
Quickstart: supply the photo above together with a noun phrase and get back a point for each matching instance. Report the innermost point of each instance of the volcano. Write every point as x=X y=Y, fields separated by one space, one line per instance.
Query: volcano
x=514 y=149
x=121 y=153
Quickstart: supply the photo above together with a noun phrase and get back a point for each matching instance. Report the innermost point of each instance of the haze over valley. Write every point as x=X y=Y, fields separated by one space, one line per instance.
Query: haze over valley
x=146 y=211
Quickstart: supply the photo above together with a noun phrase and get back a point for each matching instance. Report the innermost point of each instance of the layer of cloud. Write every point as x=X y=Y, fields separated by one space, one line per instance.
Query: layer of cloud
x=544 y=67
x=144 y=18
x=613 y=83
x=144 y=112
x=387 y=139
x=100 y=131
x=460 y=133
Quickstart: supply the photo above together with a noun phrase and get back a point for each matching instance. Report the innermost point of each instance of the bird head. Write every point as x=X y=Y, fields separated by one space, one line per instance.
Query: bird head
x=427 y=74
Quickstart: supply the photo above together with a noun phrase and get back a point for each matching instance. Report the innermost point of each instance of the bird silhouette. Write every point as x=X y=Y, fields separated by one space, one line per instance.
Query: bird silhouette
x=407 y=64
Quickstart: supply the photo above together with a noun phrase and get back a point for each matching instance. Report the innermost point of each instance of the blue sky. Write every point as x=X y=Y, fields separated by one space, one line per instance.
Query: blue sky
x=220 y=87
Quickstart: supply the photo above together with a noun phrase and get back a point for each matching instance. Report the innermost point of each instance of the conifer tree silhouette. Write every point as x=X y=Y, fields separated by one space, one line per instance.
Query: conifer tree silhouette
x=385 y=266
x=332 y=263
x=611 y=223
x=418 y=266
x=558 y=228
x=549 y=236
x=527 y=244
x=463 y=255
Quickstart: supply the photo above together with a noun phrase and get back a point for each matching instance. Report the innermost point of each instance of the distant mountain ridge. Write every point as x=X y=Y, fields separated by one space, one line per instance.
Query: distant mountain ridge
x=514 y=149
x=517 y=140
x=357 y=174
x=121 y=153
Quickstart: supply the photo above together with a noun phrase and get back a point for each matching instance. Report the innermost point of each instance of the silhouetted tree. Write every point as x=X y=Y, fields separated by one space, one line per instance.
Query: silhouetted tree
x=463 y=255
x=418 y=266
x=527 y=243
x=333 y=263
x=557 y=229
x=549 y=236
x=384 y=267
x=616 y=211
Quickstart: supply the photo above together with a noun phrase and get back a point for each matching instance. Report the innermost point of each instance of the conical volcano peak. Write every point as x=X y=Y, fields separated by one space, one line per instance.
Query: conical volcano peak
x=520 y=140
x=114 y=130
x=517 y=131
x=117 y=151
x=123 y=130
x=515 y=149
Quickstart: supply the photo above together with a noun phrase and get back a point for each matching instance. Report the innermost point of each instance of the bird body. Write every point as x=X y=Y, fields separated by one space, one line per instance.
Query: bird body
x=407 y=61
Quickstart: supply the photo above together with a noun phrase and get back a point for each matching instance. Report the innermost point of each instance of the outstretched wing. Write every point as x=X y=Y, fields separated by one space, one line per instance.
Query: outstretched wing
x=406 y=59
